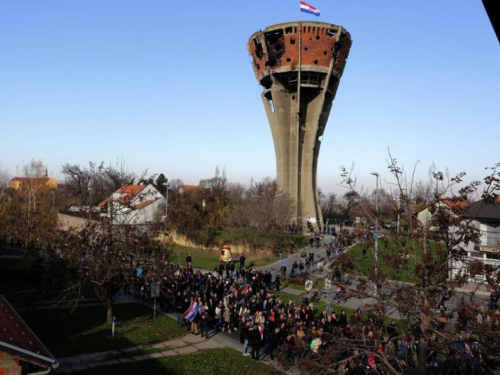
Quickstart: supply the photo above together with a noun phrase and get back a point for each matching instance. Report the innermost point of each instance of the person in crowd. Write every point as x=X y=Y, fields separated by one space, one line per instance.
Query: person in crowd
x=245 y=336
x=204 y=320
x=283 y=270
x=494 y=296
x=219 y=316
x=194 y=323
x=343 y=319
x=256 y=338
x=274 y=340
x=180 y=308
x=301 y=268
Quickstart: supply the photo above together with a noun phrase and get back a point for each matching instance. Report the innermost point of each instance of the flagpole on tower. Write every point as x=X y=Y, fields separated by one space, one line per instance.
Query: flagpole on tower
x=299 y=82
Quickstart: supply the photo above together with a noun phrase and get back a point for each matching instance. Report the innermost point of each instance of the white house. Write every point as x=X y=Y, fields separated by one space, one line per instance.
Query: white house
x=133 y=204
x=486 y=218
x=424 y=215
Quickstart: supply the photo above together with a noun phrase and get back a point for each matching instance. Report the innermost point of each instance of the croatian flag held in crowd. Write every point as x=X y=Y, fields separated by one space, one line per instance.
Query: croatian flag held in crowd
x=190 y=313
x=245 y=289
x=304 y=7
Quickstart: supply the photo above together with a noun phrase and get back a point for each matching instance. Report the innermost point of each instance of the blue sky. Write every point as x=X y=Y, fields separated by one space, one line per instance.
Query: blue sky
x=168 y=86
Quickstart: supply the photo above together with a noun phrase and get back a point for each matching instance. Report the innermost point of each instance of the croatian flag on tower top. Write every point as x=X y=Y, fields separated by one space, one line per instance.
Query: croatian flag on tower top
x=304 y=7
x=190 y=313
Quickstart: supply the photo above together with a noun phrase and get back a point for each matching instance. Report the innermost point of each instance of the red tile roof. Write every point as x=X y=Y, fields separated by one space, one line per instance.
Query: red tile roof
x=142 y=205
x=194 y=188
x=130 y=191
x=454 y=203
x=105 y=202
x=19 y=340
x=31 y=179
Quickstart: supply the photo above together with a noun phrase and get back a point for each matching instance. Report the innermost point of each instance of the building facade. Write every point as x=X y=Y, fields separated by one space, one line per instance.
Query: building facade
x=133 y=205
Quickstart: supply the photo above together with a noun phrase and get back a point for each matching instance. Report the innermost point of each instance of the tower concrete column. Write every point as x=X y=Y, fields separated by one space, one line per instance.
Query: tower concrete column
x=299 y=65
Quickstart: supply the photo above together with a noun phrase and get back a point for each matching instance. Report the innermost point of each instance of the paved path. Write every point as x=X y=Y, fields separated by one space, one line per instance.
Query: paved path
x=289 y=259
x=353 y=303
x=185 y=345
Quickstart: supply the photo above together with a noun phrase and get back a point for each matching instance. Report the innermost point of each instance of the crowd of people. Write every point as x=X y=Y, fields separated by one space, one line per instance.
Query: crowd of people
x=244 y=303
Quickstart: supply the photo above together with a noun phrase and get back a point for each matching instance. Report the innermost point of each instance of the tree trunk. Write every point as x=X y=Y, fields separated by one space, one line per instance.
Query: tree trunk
x=422 y=357
x=109 y=309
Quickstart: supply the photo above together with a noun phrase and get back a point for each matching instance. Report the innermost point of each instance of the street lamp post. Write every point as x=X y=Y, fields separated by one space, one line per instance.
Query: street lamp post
x=54 y=221
x=53 y=199
x=402 y=195
x=90 y=201
x=375 y=255
x=167 y=185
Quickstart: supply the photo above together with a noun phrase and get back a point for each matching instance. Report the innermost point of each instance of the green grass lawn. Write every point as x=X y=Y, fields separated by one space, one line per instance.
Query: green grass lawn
x=9 y=251
x=208 y=259
x=319 y=306
x=19 y=291
x=264 y=260
x=15 y=283
x=389 y=247
x=264 y=238
x=209 y=362
x=204 y=259
x=22 y=289
x=403 y=274
x=290 y=283
x=83 y=331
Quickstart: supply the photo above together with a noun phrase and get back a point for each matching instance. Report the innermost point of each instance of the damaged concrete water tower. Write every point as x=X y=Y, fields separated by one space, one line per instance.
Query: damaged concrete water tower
x=299 y=65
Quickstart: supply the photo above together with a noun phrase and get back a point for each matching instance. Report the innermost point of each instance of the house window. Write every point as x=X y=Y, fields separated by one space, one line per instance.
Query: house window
x=492 y=238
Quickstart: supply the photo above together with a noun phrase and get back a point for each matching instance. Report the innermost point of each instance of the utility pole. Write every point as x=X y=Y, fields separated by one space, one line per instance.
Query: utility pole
x=375 y=255
x=167 y=185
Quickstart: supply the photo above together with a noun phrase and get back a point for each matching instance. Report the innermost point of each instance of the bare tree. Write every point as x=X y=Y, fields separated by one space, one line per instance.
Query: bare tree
x=95 y=182
x=438 y=316
x=328 y=203
x=27 y=211
x=349 y=201
x=106 y=257
x=4 y=183
x=78 y=180
x=261 y=210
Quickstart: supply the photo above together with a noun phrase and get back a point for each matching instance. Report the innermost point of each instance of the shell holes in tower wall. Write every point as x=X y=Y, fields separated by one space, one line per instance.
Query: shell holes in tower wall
x=272 y=105
x=292 y=41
